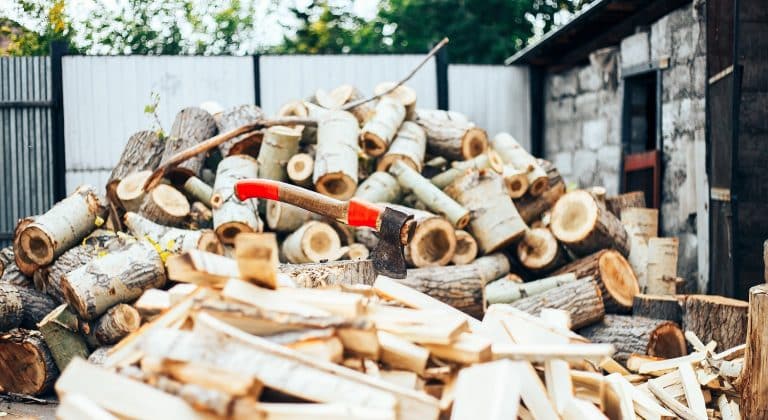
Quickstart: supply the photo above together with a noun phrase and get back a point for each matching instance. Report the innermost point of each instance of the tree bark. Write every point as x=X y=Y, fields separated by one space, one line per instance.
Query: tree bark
x=754 y=376
x=433 y=242
x=10 y=273
x=661 y=270
x=284 y=217
x=580 y=298
x=514 y=154
x=313 y=242
x=143 y=151
x=279 y=145
x=584 y=226
x=23 y=306
x=409 y=145
x=612 y=273
x=539 y=251
x=466 y=248
x=617 y=203
x=641 y=225
x=336 y=156
x=666 y=307
x=117 y=277
x=450 y=135
x=300 y=168
x=380 y=187
x=26 y=363
x=494 y=221
x=238 y=116
x=341 y=95
x=380 y=130
x=191 y=126
x=330 y=273
x=716 y=318
x=230 y=215
x=61 y=227
x=489 y=159
x=129 y=191
x=119 y=321
x=435 y=200
x=6 y=258
x=460 y=286
x=531 y=208
x=635 y=334
x=199 y=190
x=165 y=205
x=61 y=331
x=172 y=239
x=403 y=93
x=506 y=290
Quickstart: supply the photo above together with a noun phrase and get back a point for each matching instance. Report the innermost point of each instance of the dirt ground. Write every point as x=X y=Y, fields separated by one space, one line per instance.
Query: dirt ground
x=15 y=410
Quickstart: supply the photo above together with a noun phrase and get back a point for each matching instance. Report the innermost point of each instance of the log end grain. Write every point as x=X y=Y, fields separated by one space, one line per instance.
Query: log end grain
x=618 y=278
x=667 y=341
x=337 y=185
x=474 y=142
x=466 y=248
x=372 y=144
x=433 y=243
x=26 y=363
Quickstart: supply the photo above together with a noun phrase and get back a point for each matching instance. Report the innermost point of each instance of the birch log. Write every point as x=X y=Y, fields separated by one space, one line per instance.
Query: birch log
x=117 y=277
x=494 y=220
x=27 y=365
x=506 y=290
x=284 y=217
x=617 y=203
x=331 y=273
x=754 y=377
x=61 y=331
x=466 y=248
x=584 y=226
x=380 y=130
x=230 y=215
x=433 y=242
x=539 y=251
x=717 y=318
x=61 y=227
x=171 y=239
x=531 y=208
x=115 y=324
x=662 y=266
x=199 y=190
x=436 y=200
x=635 y=334
x=581 y=299
x=341 y=95
x=23 y=262
x=22 y=306
x=516 y=181
x=513 y=153
x=143 y=152
x=165 y=205
x=406 y=95
x=336 y=156
x=6 y=258
x=130 y=190
x=641 y=225
x=450 y=136
x=300 y=167
x=380 y=187
x=312 y=242
x=238 y=116
x=489 y=159
x=190 y=127
x=410 y=145
x=279 y=144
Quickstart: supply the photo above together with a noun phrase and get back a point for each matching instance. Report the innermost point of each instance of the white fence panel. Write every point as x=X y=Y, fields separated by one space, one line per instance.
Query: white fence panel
x=104 y=100
x=289 y=77
x=496 y=98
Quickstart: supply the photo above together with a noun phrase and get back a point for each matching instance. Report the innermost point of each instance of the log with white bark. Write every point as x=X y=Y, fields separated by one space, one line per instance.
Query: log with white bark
x=24 y=264
x=6 y=258
x=166 y=205
x=617 y=203
x=409 y=145
x=514 y=154
x=279 y=145
x=489 y=159
x=199 y=190
x=118 y=277
x=379 y=131
x=22 y=306
x=516 y=181
x=232 y=216
x=581 y=299
x=300 y=168
x=312 y=242
x=341 y=95
x=60 y=228
x=531 y=208
x=539 y=251
x=466 y=248
x=661 y=270
x=635 y=334
x=451 y=135
x=335 y=172
x=115 y=324
x=754 y=377
x=508 y=290
x=190 y=127
x=200 y=217
x=130 y=190
x=331 y=273
x=235 y=117
x=614 y=275
x=666 y=307
x=405 y=94
x=717 y=318
x=494 y=220
x=435 y=199
x=172 y=239
x=61 y=330
x=143 y=151
x=584 y=226
x=433 y=242
x=27 y=365
x=357 y=252
x=380 y=187
x=284 y=217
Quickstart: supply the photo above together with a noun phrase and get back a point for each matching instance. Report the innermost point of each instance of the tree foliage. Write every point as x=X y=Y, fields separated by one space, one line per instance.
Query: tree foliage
x=52 y=24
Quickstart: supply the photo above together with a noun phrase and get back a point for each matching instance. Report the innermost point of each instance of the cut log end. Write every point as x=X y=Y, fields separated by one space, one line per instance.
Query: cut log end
x=539 y=250
x=618 y=278
x=538 y=186
x=387 y=160
x=516 y=183
x=26 y=363
x=228 y=231
x=474 y=142
x=667 y=341
x=300 y=168
x=313 y=242
x=372 y=144
x=433 y=243
x=210 y=242
x=130 y=190
x=578 y=218
x=165 y=205
x=38 y=246
x=466 y=248
x=337 y=185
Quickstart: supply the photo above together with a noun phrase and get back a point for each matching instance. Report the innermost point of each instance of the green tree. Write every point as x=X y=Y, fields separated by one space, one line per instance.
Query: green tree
x=49 y=23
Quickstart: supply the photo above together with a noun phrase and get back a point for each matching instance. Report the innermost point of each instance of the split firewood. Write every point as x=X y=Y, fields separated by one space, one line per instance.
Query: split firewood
x=662 y=266
x=40 y=241
x=507 y=290
x=27 y=365
x=634 y=334
x=614 y=275
x=435 y=199
x=379 y=131
x=399 y=353
x=584 y=226
x=313 y=242
x=616 y=204
x=190 y=127
x=489 y=159
x=467 y=348
x=151 y=303
x=665 y=307
x=279 y=144
x=173 y=240
x=335 y=171
x=257 y=258
x=433 y=242
x=165 y=205
x=531 y=208
x=143 y=151
x=130 y=190
x=199 y=190
x=300 y=168
x=513 y=153
x=128 y=272
x=62 y=333
x=494 y=220
x=451 y=135
x=409 y=145
x=202 y=268
x=754 y=377
x=466 y=248
x=641 y=225
x=380 y=187
x=232 y=216
x=22 y=306
x=330 y=273
x=77 y=407
x=284 y=217
x=717 y=318
x=539 y=252
x=403 y=93
x=115 y=324
x=235 y=117
x=581 y=299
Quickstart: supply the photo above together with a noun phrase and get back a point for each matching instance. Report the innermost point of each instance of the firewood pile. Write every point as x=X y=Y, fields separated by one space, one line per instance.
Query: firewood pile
x=522 y=299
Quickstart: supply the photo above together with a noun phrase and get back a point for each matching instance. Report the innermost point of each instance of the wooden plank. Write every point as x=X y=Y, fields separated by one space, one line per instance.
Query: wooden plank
x=402 y=354
x=201 y=268
x=403 y=378
x=241 y=291
x=541 y=353
x=487 y=391
x=468 y=348
x=692 y=390
x=207 y=376
x=152 y=302
x=533 y=392
x=557 y=373
x=622 y=406
x=420 y=326
x=726 y=411
x=655 y=367
x=525 y=328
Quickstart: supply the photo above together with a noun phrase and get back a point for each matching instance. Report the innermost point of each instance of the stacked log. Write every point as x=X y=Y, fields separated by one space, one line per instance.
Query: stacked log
x=614 y=275
x=634 y=334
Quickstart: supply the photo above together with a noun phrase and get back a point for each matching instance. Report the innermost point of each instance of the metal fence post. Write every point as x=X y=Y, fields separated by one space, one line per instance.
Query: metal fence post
x=58 y=51
x=257 y=79
x=441 y=64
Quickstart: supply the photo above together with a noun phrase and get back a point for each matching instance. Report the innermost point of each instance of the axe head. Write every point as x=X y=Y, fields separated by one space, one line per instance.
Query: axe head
x=394 y=231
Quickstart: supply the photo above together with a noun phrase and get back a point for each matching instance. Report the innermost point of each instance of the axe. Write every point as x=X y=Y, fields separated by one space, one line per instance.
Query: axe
x=395 y=228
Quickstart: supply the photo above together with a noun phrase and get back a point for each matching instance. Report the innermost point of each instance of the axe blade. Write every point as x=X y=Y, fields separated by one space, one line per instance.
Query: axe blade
x=387 y=256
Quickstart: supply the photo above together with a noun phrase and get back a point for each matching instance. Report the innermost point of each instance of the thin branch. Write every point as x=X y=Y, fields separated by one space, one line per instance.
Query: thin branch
x=431 y=53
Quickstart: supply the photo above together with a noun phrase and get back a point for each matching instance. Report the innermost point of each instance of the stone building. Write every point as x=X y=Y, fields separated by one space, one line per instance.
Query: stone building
x=619 y=98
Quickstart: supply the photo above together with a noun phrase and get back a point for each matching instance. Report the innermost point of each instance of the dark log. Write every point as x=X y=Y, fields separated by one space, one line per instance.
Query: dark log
x=716 y=318
x=26 y=363
x=635 y=334
x=580 y=298
x=667 y=307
